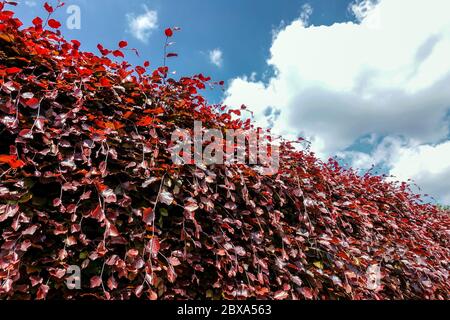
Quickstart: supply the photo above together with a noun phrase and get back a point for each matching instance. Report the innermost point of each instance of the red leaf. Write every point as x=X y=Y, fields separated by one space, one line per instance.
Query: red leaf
x=76 y=43
x=111 y=283
x=171 y=275
x=57 y=273
x=123 y=44
x=16 y=164
x=158 y=110
x=132 y=253
x=145 y=121
x=138 y=291
x=154 y=246
x=12 y=161
x=280 y=295
x=148 y=216
x=112 y=231
x=48 y=7
x=30 y=231
x=152 y=295
x=109 y=196
x=97 y=213
x=140 y=70
x=174 y=261
x=168 y=32
x=6 y=158
x=26 y=133
x=118 y=53
x=191 y=206
x=95 y=281
x=54 y=24
x=307 y=292
x=42 y=292
x=13 y=70
x=37 y=21
x=102 y=50
x=105 y=82
x=32 y=103
x=35 y=280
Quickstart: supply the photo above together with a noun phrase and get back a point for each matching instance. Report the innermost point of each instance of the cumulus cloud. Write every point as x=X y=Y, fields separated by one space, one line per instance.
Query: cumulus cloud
x=142 y=25
x=385 y=74
x=427 y=165
x=216 y=57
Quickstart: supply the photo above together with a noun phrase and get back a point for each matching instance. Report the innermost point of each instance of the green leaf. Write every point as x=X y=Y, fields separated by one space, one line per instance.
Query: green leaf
x=84 y=255
x=318 y=264
x=164 y=212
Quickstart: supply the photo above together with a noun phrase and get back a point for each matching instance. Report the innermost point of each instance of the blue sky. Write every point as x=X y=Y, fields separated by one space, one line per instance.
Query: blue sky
x=364 y=80
x=242 y=30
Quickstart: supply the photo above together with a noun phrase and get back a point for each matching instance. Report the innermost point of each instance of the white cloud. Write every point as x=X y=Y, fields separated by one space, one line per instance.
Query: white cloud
x=307 y=11
x=305 y=14
x=386 y=74
x=362 y=8
x=427 y=165
x=216 y=57
x=418 y=160
x=384 y=154
x=30 y=3
x=142 y=25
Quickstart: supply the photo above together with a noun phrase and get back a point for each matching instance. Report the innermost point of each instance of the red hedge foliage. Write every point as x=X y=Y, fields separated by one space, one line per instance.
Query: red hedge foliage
x=86 y=179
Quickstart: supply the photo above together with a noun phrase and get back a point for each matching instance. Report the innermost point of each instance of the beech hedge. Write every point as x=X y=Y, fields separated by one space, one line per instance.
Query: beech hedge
x=86 y=180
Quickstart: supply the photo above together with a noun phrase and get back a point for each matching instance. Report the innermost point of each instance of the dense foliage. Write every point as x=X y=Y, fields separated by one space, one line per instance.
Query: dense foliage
x=86 y=179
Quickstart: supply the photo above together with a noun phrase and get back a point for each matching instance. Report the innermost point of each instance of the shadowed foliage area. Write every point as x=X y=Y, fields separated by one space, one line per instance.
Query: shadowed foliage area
x=87 y=180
